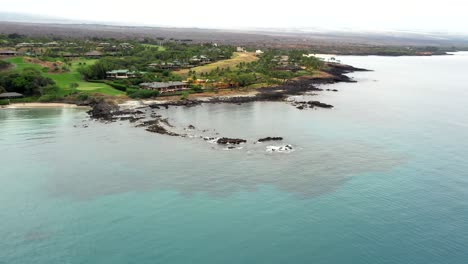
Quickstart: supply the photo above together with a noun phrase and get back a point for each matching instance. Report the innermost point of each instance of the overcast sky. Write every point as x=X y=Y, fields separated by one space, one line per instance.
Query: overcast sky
x=423 y=15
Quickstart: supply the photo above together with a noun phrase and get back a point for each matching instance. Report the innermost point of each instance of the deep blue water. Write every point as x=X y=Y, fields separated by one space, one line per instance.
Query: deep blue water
x=382 y=178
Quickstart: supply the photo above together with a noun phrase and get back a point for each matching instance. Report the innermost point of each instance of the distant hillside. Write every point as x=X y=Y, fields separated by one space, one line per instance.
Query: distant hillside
x=295 y=38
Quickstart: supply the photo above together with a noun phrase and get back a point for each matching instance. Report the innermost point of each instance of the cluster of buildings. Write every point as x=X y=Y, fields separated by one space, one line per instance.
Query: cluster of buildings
x=108 y=45
x=176 y=64
x=283 y=64
x=40 y=44
x=68 y=44
x=91 y=54
x=162 y=87
x=242 y=49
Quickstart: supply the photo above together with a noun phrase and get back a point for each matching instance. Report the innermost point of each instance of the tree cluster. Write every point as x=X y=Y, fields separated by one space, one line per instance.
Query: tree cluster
x=28 y=82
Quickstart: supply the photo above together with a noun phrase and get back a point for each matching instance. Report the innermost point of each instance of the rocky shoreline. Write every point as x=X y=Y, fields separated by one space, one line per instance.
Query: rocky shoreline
x=148 y=117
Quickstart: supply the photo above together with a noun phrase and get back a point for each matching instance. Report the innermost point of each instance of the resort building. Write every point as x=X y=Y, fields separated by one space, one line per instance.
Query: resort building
x=126 y=46
x=93 y=54
x=8 y=53
x=202 y=59
x=70 y=55
x=165 y=87
x=121 y=74
x=29 y=45
x=175 y=65
x=103 y=44
x=52 y=44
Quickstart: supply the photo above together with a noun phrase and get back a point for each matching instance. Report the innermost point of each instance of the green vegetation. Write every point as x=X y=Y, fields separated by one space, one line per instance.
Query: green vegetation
x=4 y=65
x=184 y=95
x=20 y=65
x=246 y=70
x=4 y=102
x=66 y=81
x=141 y=94
x=159 y=48
x=77 y=69
x=28 y=82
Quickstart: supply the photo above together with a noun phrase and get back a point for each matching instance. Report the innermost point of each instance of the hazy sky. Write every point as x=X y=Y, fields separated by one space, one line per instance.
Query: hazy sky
x=426 y=15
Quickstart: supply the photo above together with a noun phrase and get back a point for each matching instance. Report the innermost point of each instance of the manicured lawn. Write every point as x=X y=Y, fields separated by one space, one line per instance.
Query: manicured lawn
x=64 y=80
x=20 y=64
x=160 y=48
x=236 y=59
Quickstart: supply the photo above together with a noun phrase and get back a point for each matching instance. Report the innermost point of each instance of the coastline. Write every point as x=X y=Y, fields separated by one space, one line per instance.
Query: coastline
x=334 y=74
x=146 y=114
x=42 y=105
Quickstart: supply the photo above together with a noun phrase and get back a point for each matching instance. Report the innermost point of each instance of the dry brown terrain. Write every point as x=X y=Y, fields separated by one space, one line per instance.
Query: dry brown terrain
x=46 y=64
x=233 y=62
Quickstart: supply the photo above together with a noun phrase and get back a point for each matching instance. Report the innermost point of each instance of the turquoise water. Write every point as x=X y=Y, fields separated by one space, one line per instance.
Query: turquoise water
x=382 y=178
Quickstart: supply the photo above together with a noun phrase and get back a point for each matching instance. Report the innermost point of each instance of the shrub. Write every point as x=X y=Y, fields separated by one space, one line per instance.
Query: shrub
x=4 y=64
x=4 y=102
x=82 y=97
x=118 y=86
x=184 y=95
x=141 y=94
x=49 y=89
x=48 y=98
x=31 y=99
x=28 y=82
x=197 y=88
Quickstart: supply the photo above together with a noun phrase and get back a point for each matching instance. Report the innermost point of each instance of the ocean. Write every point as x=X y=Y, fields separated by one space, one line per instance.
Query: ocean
x=380 y=178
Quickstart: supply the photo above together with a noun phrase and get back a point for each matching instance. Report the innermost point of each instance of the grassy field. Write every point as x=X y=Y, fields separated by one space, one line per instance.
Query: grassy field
x=19 y=64
x=64 y=80
x=160 y=48
x=236 y=59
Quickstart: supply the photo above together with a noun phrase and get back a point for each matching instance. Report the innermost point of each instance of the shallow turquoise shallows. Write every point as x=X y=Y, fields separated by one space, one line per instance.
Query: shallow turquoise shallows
x=381 y=178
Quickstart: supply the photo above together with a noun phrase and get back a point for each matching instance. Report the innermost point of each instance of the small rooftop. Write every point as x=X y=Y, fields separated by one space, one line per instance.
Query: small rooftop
x=120 y=71
x=8 y=51
x=10 y=95
x=93 y=53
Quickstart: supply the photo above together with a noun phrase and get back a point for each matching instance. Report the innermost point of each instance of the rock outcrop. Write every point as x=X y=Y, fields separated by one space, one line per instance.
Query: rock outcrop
x=270 y=139
x=231 y=141
x=103 y=110
x=311 y=104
